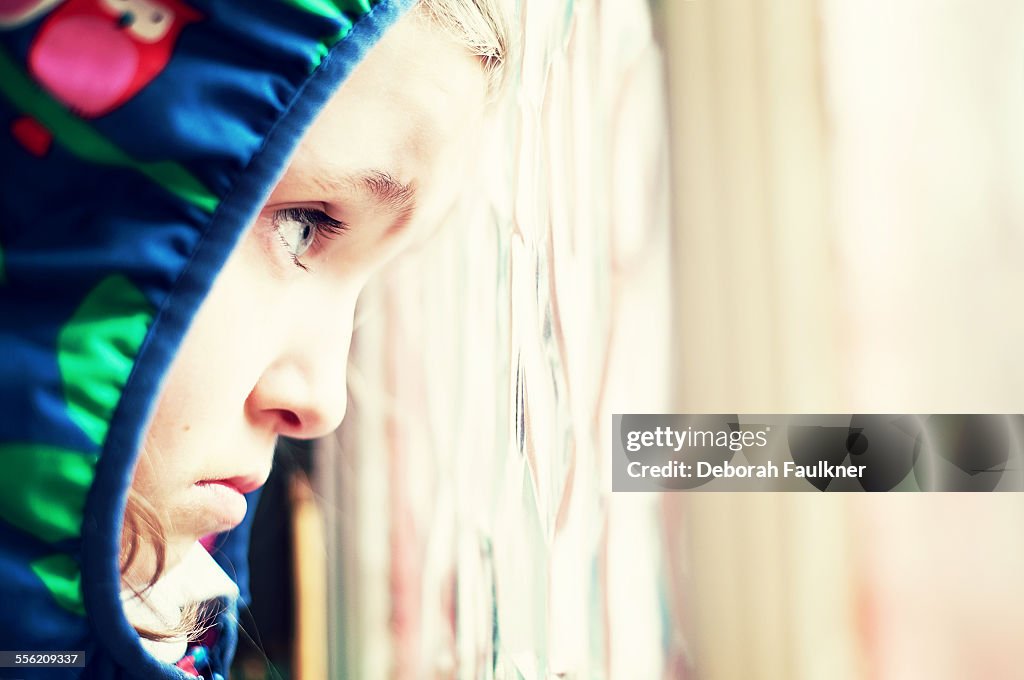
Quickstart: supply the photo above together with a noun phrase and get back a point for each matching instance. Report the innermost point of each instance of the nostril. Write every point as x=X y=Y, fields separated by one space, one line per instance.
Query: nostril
x=126 y=20
x=290 y=419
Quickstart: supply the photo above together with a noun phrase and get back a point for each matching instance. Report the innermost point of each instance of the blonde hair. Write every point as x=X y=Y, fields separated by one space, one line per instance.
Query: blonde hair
x=484 y=27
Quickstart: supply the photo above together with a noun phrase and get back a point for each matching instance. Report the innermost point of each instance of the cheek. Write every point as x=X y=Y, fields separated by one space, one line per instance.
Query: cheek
x=169 y=451
x=224 y=350
x=200 y=385
x=203 y=395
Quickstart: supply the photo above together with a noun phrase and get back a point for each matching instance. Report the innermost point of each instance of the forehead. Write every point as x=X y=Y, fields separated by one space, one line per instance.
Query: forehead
x=411 y=99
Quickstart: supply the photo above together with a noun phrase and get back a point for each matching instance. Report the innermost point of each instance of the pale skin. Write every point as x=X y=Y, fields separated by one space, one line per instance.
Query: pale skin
x=267 y=352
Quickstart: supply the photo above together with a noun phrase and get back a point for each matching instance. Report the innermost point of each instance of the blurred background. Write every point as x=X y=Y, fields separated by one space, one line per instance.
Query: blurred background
x=709 y=206
x=848 y=198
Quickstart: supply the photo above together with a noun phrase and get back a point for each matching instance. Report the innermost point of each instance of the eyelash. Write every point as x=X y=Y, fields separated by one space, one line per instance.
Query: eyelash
x=325 y=227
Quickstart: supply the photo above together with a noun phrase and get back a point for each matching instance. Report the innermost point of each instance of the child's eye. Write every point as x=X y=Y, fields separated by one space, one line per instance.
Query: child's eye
x=300 y=228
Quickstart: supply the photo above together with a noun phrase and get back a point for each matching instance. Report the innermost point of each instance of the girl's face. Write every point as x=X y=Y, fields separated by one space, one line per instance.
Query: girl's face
x=267 y=351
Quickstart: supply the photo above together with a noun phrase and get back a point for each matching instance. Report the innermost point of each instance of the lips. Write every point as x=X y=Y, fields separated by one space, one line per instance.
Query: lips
x=241 y=484
x=223 y=500
x=222 y=507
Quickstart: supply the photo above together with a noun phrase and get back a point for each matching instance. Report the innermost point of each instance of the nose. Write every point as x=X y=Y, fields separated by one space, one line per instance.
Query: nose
x=302 y=393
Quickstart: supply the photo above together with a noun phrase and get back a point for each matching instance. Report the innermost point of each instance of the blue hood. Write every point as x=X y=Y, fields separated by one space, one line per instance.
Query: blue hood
x=133 y=161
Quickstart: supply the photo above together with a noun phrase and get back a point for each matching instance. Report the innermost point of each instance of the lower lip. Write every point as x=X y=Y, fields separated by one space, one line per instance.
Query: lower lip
x=225 y=505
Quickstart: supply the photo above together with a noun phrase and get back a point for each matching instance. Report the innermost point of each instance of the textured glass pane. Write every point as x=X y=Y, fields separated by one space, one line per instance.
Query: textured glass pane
x=472 y=524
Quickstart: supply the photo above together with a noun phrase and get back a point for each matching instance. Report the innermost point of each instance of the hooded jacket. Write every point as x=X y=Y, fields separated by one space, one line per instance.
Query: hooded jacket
x=138 y=140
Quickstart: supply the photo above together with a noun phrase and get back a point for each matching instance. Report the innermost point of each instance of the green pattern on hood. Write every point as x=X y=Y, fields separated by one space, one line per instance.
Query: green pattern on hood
x=96 y=351
x=50 y=507
x=62 y=577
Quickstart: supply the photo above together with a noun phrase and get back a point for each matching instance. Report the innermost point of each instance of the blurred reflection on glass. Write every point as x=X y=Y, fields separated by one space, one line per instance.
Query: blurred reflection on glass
x=474 y=532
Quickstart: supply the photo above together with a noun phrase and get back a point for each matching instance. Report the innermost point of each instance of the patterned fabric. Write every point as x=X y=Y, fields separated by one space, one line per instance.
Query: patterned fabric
x=139 y=138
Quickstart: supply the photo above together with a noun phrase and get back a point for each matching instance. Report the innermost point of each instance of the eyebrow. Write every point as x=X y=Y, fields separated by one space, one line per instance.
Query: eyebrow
x=390 y=192
x=387 y=192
